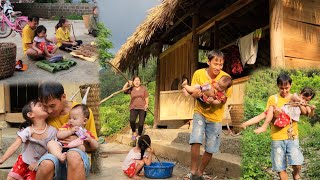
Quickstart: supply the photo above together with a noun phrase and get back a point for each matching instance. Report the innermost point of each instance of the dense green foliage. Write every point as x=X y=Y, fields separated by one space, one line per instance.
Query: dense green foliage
x=104 y=44
x=255 y=155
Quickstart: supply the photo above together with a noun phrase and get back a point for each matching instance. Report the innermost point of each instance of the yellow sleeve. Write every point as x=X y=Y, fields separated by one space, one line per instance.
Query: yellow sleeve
x=59 y=34
x=27 y=37
x=270 y=102
x=90 y=126
x=195 y=78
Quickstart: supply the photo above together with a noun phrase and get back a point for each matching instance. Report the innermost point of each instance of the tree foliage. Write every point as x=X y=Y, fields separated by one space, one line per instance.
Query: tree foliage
x=104 y=44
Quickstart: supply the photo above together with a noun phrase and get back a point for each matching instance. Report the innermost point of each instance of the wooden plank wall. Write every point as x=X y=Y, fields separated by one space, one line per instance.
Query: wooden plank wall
x=237 y=97
x=301 y=33
x=174 y=105
x=175 y=64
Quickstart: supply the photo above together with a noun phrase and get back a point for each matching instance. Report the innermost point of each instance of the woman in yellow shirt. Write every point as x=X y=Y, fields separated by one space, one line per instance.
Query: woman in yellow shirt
x=64 y=40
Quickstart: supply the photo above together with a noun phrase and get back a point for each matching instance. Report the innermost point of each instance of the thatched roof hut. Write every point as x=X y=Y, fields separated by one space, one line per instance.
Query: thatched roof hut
x=176 y=30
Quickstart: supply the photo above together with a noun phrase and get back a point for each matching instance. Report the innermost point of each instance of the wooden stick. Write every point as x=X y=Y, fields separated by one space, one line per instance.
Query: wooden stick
x=154 y=153
x=117 y=92
x=73 y=32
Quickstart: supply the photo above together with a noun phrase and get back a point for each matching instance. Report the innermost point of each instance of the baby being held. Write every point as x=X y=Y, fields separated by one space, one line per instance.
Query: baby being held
x=212 y=93
x=78 y=117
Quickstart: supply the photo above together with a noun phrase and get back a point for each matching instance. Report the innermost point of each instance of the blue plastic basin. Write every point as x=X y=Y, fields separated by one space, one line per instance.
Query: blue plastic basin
x=156 y=171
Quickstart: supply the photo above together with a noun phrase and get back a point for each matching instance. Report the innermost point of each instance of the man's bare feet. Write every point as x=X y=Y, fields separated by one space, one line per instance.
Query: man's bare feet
x=260 y=130
x=62 y=157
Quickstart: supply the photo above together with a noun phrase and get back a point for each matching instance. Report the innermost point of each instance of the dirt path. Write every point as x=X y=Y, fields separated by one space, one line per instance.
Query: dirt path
x=83 y=72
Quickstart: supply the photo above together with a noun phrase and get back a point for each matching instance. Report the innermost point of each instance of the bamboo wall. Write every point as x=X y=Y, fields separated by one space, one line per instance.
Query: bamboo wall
x=301 y=33
x=174 y=63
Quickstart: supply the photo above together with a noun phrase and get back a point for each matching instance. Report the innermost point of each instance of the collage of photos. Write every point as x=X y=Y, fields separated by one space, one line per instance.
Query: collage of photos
x=159 y=89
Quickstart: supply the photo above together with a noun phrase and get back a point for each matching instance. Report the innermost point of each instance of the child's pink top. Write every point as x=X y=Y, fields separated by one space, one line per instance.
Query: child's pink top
x=131 y=157
x=34 y=149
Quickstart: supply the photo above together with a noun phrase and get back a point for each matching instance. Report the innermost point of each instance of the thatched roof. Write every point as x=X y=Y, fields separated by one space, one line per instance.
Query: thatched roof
x=158 y=18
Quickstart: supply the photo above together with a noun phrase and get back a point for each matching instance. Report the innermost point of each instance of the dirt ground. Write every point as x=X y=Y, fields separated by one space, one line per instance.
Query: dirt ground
x=83 y=72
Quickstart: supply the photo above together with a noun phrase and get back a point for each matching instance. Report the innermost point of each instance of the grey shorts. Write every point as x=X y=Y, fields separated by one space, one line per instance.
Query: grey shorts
x=211 y=130
x=60 y=169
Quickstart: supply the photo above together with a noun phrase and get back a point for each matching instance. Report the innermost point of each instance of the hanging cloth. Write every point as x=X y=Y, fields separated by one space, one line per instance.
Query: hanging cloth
x=248 y=47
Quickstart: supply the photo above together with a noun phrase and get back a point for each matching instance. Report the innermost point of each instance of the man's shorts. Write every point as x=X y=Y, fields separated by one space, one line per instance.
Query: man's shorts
x=60 y=170
x=283 y=151
x=211 y=130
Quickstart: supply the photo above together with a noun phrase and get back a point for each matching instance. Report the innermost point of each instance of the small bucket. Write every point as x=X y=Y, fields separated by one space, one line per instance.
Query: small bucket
x=159 y=171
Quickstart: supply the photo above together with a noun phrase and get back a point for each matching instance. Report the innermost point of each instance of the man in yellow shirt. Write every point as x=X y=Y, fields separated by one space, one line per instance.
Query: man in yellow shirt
x=28 y=36
x=53 y=98
x=282 y=147
x=207 y=118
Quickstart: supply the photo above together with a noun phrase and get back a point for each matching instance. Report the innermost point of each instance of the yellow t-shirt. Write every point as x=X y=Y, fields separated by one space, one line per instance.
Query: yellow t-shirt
x=212 y=113
x=278 y=133
x=62 y=35
x=59 y=121
x=27 y=37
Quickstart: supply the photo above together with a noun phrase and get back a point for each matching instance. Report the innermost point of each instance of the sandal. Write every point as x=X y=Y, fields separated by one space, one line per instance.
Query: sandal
x=205 y=177
x=189 y=176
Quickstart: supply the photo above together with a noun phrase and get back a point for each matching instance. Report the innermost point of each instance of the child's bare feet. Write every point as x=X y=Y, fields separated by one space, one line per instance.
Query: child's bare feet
x=135 y=177
x=243 y=126
x=260 y=130
x=185 y=92
x=62 y=157
x=184 y=83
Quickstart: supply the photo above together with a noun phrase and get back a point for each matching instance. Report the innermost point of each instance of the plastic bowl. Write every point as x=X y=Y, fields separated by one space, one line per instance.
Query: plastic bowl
x=156 y=171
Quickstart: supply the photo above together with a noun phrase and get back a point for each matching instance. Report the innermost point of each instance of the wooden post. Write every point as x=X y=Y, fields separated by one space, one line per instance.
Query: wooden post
x=157 y=97
x=195 y=43
x=276 y=37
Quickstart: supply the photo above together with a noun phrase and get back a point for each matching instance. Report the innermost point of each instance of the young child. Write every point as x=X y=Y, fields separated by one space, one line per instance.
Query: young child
x=34 y=134
x=79 y=115
x=43 y=45
x=213 y=93
x=298 y=104
x=138 y=157
x=64 y=40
